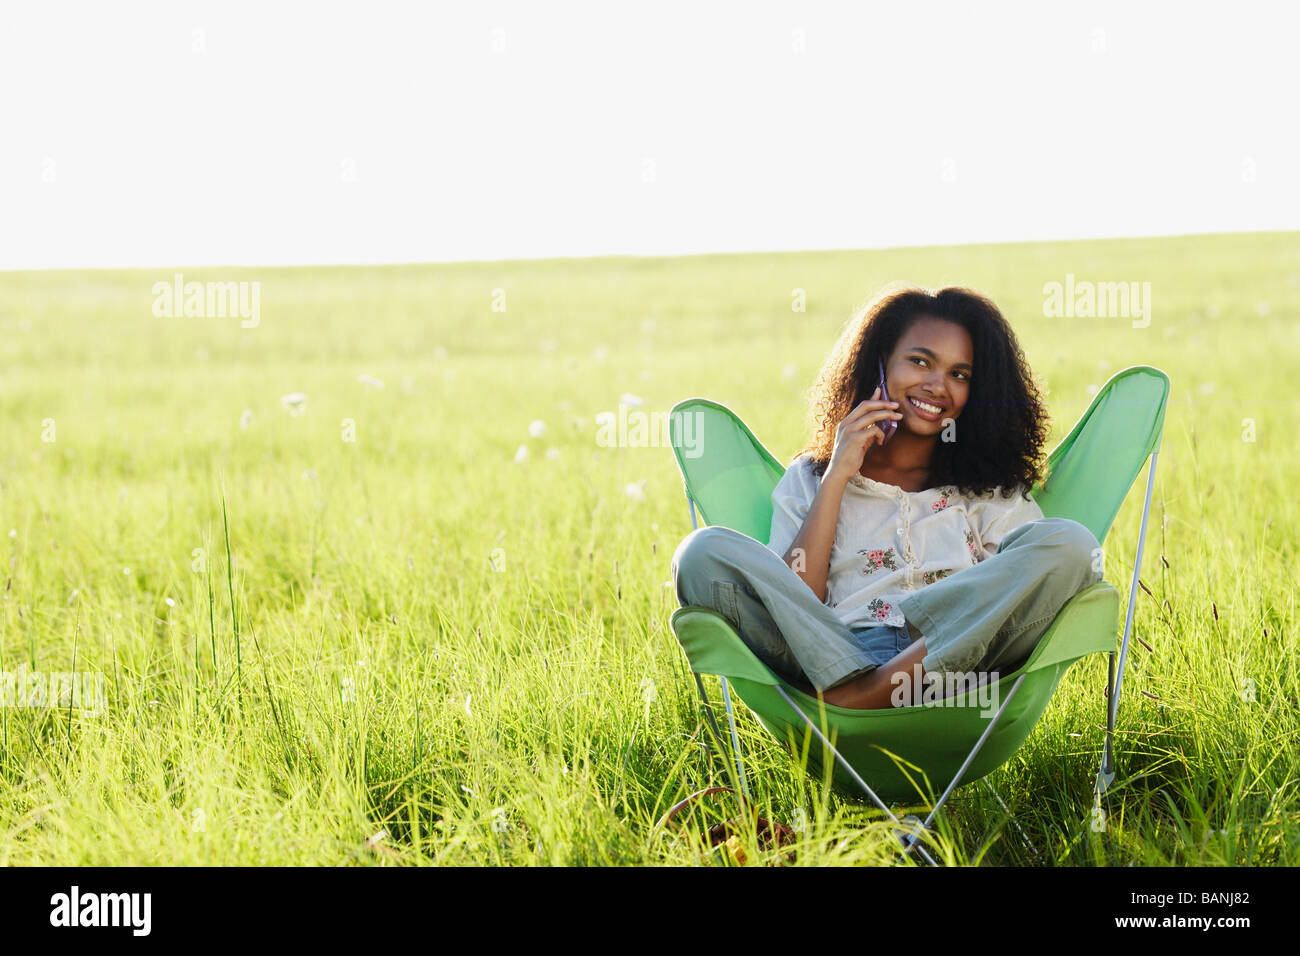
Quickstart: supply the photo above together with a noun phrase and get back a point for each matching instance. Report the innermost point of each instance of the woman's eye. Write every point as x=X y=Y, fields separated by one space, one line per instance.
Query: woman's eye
x=964 y=376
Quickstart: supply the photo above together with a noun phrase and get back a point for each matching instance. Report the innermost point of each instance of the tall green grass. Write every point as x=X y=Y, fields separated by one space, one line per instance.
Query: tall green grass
x=415 y=649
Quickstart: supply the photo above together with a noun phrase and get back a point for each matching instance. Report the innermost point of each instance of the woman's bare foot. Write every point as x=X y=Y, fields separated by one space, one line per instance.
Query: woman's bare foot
x=875 y=689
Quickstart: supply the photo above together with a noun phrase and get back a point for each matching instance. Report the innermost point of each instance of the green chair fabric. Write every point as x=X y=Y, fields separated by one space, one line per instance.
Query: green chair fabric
x=905 y=753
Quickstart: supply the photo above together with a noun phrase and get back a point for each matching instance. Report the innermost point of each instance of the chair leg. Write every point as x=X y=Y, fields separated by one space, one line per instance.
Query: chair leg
x=708 y=712
x=979 y=744
x=735 y=738
x=849 y=769
x=1106 y=774
x=717 y=731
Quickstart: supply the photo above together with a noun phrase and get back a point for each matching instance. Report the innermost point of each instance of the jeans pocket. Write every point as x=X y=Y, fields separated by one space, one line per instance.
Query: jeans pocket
x=724 y=602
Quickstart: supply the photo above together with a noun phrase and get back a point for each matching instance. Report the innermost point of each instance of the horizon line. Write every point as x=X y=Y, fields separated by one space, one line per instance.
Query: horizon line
x=10 y=270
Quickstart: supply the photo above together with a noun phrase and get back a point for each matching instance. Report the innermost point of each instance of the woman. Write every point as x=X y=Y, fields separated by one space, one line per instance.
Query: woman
x=917 y=556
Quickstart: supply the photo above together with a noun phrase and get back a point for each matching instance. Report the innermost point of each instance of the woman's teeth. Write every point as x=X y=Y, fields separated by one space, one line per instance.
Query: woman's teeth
x=923 y=406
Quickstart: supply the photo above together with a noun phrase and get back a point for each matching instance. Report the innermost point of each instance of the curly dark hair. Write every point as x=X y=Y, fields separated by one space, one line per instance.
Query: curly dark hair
x=1004 y=423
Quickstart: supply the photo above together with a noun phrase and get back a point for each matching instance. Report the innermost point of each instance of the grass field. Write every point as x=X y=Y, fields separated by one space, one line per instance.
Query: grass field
x=423 y=646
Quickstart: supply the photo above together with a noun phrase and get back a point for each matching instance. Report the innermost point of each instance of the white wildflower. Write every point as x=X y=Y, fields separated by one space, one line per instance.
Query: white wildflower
x=295 y=402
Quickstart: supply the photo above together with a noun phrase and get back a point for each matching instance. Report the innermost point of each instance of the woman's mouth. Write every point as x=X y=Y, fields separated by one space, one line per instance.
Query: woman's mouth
x=926 y=410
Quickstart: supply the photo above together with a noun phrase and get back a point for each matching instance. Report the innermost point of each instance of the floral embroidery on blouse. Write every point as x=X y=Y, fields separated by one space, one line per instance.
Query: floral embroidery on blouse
x=943 y=499
x=886 y=558
x=879 y=608
x=970 y=545
x=931 y=576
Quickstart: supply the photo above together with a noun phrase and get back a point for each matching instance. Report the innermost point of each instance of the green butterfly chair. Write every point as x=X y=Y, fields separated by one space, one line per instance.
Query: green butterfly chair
x=729 y=476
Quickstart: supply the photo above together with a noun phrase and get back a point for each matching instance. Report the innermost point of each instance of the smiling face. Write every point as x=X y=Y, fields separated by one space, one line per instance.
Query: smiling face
x=931 y=364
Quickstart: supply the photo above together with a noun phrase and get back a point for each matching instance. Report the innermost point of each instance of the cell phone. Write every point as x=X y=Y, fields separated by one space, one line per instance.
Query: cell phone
x=889 y=425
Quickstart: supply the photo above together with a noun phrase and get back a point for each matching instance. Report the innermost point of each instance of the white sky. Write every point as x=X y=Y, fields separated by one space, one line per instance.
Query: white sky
x=186 y=133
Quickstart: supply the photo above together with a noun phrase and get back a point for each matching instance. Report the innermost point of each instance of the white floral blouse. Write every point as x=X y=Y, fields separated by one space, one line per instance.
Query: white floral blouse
x=890 y=542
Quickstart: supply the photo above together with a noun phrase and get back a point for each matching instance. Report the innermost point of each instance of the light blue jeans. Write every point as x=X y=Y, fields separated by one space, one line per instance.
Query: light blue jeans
x=986 y=618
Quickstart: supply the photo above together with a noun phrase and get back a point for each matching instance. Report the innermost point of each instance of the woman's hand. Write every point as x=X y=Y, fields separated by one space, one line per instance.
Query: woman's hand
x=857 y=434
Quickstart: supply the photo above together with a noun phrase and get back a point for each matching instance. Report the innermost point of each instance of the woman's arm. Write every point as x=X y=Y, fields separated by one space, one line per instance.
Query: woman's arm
x=809 y=555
